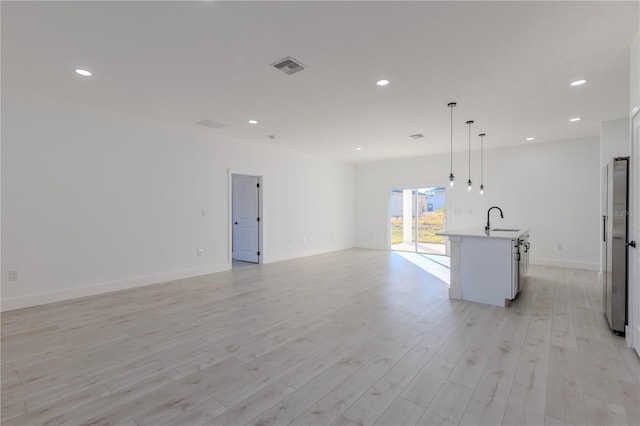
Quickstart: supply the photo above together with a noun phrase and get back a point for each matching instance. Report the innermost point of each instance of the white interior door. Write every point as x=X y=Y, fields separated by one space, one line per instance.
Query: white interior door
x=634 y=234
x=246 y=218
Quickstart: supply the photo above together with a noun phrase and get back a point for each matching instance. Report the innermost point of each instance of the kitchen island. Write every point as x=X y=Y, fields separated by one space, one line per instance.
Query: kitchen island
x=487 y=266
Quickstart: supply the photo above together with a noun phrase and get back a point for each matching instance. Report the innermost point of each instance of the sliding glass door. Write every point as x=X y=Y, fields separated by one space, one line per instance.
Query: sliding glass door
x=416 y=214
x=403 y=219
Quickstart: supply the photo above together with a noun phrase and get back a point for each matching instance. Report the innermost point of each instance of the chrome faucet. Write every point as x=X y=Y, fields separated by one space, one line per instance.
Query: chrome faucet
x=488 y=227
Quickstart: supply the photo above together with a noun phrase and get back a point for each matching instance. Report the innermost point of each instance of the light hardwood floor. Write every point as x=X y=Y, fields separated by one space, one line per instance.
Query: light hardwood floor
x=347 y=338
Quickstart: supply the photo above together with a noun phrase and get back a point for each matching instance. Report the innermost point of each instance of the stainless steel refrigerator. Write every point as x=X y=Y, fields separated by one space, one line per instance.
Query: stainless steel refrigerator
x=615 y=228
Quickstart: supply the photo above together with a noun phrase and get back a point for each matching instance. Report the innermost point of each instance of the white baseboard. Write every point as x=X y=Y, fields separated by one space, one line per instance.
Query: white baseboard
x=571 y=264
x=627 y=336
x=304 y=253
x=106 y=287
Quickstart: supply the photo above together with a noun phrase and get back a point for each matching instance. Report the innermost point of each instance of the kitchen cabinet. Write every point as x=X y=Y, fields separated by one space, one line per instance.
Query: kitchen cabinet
x=487 y=267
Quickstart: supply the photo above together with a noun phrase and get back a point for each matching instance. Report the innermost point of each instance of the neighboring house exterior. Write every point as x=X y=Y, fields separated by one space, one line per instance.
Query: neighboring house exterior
x=429 y=200
x=437 y=201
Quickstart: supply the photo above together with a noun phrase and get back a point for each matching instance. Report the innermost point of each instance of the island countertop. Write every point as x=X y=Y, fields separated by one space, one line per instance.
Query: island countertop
x=479 y=232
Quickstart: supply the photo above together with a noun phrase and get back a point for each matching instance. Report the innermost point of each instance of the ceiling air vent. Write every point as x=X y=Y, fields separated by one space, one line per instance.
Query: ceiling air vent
x=210 y=123
x=417 y=136
x=288 y=66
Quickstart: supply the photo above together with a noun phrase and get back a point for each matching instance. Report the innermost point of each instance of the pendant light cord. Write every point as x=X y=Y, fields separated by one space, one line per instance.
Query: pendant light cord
x=481 y=159
x=470 y=122
x=451 y=133
x=482 y=135
x=451 y=176
x=469 y=148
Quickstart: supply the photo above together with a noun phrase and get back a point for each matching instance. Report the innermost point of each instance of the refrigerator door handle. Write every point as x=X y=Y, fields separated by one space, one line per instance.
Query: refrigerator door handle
x=604 y=228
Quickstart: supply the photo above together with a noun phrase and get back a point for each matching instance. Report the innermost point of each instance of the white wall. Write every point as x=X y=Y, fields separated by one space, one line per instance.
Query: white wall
x=614 y=140
x=634 y=95
x=551 y=188
x=94 y=201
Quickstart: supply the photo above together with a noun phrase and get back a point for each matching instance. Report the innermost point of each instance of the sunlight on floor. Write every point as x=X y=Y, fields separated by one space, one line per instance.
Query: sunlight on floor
x=422 y=248
x=437 y=266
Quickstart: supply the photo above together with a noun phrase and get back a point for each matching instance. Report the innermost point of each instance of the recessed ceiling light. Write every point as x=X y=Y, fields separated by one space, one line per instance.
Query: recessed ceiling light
x=574 y=119
x=83 y=73
x=358 y=148
x=382 y=82
x=530 y=139
x=578 y=82
x=253 y=122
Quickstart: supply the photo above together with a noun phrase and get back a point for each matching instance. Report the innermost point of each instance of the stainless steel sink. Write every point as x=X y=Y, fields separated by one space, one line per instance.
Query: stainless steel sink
x=505 y=230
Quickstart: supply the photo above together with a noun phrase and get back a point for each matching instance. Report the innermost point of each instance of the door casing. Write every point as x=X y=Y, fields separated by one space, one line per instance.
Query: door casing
x=633 y=337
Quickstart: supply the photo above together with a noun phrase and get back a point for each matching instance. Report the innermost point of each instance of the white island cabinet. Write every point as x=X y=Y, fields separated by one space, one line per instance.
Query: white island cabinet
x=487 y=267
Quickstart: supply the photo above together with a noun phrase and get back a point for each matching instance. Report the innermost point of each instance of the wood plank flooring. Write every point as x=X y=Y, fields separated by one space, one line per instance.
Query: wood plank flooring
x=356 y=337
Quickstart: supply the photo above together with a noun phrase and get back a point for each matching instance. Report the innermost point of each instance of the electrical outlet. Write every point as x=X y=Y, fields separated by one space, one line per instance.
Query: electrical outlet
x=200 y=252
x=13 y=275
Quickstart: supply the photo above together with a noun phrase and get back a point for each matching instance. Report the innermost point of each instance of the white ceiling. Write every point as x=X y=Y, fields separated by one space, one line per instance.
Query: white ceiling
x=508 y=65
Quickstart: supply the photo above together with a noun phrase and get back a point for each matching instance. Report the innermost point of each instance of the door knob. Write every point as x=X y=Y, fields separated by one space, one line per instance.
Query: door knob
x=631 y=244
x=235 y=223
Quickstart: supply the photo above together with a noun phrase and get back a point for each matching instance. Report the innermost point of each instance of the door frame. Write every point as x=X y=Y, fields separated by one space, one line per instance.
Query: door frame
x=260 y=176
x=633 y=335
x=413 y=186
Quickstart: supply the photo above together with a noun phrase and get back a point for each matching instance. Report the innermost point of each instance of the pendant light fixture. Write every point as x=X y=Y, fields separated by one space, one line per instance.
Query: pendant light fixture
x=482 y=135
x=470 y=122
x=451 y=176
